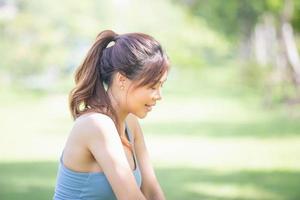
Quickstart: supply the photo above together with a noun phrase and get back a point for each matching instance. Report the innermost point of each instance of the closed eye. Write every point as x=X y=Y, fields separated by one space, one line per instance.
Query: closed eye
x=156 y=87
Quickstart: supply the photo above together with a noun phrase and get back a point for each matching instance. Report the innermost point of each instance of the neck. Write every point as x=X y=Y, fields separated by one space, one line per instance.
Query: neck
x=121 y=114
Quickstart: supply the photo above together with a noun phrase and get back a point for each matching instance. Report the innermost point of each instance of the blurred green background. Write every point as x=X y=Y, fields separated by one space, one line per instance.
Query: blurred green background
x=228 y=126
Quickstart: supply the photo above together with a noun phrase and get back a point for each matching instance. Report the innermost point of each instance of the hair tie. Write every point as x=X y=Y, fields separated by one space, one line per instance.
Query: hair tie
x=113 y=41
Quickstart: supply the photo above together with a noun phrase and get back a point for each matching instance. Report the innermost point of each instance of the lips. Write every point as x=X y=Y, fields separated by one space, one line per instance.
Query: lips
x=149 y=106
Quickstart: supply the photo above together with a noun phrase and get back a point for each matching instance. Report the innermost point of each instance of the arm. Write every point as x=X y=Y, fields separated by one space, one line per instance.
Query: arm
x=105 y=145
x=150 y=186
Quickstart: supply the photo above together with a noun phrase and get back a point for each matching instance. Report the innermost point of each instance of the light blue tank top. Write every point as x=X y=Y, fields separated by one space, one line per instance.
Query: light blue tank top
x=72 y=185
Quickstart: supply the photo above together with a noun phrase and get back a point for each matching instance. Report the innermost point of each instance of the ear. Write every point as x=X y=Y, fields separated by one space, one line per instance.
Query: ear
x=120 y=79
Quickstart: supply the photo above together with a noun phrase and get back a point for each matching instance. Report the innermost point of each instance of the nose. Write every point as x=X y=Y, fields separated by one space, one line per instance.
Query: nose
x=157 y=95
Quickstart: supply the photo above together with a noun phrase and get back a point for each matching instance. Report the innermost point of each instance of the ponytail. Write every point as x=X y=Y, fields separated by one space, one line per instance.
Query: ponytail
x=89 y=91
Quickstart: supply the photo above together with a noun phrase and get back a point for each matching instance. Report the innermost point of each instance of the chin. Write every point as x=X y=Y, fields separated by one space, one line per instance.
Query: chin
x=140 y=115
x=143 y=116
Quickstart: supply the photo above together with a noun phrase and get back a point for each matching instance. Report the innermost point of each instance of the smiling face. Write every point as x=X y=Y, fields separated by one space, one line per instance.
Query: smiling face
x=140 y=100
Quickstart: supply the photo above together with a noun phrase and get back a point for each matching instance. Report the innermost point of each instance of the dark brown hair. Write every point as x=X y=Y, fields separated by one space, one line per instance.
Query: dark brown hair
x=137 y=56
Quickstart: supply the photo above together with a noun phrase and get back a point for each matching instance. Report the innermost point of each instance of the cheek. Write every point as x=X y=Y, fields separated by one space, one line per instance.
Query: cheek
x=141 y=95
x=137 y=98
x=136 y=107
x=136 y=101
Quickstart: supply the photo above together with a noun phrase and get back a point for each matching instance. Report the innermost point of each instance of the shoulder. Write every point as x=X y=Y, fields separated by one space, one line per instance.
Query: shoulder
x=94 y=123
x=92 y=117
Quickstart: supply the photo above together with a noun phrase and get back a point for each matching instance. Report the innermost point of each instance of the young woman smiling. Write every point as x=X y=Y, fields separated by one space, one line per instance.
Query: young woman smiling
x=105 y=156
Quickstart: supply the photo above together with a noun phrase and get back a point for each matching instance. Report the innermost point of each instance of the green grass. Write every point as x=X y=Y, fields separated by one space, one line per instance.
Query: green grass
x=35 y=180
x=27 y=180
x=208 y=139
x=209 y=184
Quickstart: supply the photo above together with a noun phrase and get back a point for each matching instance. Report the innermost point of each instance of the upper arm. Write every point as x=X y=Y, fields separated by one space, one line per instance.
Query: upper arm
x=150 y=185
x=105 y=145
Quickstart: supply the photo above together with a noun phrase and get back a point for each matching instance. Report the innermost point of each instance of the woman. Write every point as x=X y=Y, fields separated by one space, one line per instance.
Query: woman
x=105 y=156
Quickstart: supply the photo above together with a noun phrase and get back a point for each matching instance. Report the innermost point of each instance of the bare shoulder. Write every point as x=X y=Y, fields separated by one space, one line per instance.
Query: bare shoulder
x=93 y=118
x=91 y=123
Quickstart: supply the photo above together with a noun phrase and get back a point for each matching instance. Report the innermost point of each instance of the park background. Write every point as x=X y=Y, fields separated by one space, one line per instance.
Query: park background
x=228 y=126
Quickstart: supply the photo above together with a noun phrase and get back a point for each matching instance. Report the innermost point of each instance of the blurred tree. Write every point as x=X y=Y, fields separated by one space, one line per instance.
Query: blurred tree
x=234 y=18
x=265 y=31
x=38 y=36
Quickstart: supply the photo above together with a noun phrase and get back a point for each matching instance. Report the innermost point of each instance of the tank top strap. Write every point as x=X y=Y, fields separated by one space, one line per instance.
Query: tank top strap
x=128 y=133
x=130 y=138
